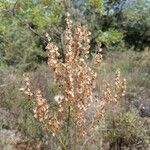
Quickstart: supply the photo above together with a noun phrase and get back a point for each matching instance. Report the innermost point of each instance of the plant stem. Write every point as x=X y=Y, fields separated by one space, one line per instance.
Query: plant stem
x=68 y=130
x=75 y=137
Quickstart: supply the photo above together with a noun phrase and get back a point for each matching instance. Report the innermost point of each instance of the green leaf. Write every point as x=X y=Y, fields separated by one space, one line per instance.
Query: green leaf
x=110 y=37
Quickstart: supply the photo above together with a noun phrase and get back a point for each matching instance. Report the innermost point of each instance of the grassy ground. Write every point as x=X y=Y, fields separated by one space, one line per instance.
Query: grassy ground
x=134 y=66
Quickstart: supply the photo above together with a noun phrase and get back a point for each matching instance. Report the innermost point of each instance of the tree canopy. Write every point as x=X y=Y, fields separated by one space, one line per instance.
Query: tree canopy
x=23 y=25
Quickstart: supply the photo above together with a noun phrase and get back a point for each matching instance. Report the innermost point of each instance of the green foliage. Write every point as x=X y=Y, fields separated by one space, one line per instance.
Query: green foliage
x=110 y=37
x=125 y=127
x=29 y=124
x=98 y=4
x=19 y=48
x=22 y=25
x=94 y=14
x=41 y=14
x=137 y=24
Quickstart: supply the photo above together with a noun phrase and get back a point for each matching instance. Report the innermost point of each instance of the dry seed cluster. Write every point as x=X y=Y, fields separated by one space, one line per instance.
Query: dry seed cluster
x=77 y=79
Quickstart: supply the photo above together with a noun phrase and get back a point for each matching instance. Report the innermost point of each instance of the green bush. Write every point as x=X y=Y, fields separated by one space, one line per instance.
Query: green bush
x=125 y=128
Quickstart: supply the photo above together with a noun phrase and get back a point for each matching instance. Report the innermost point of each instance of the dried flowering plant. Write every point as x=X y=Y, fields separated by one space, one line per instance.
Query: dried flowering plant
x=77 y=77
